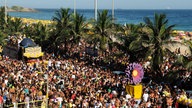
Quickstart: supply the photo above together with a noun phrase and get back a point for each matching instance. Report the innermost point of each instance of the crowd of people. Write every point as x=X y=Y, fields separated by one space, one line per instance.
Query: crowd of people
x=74 y=83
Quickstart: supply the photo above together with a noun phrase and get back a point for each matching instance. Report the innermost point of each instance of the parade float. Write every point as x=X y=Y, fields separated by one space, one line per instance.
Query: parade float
x=22 y=49
x=30 y=51
x=134 y=73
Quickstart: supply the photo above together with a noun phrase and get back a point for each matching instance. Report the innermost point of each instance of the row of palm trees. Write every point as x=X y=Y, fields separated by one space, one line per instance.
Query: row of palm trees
x=68 y=30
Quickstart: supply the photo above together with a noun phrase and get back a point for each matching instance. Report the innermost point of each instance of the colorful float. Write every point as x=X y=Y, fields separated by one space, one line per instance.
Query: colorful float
x=22 y=49
x=134 y=73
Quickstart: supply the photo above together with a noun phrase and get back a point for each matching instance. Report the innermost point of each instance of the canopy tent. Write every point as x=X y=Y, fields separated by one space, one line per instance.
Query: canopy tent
x=27 y=42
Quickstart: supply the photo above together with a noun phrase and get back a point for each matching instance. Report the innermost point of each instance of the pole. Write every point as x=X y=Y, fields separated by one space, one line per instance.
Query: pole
x=96 y=10
x=5 y=11
x=113 y=13
x=74 y=7
x=47 y=95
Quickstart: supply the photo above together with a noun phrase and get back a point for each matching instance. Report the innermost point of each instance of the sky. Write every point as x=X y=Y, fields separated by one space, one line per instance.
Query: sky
x=103 y=4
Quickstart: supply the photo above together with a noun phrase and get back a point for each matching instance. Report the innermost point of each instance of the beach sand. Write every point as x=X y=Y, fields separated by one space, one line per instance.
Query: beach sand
x=184 y=49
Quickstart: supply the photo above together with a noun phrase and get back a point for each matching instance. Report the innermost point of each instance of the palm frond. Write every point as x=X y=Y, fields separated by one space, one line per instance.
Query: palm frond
x=189 y=65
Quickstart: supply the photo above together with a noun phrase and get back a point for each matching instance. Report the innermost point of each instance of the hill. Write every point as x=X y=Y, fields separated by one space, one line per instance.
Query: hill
x=20 y=9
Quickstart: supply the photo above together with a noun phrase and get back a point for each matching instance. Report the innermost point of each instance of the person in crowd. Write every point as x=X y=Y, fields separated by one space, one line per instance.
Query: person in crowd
x=77 y=83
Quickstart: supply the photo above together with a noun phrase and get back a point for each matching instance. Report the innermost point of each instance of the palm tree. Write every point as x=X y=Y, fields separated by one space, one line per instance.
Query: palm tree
x=15 y=25
x=2 y=38
x=63 y=27
x=28 y=30
x=131 y=39
x=189 y=43
x=2 y=26
x=182 y=65
x=185 y=60
x=40 y=34
x=159 y=35
x=2 y=18
x=78 y=27
x=102 y=28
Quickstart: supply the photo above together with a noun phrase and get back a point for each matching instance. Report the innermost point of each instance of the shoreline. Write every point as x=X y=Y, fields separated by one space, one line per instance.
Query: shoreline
x=121 y=16
x=175 y=31
x=23 y=10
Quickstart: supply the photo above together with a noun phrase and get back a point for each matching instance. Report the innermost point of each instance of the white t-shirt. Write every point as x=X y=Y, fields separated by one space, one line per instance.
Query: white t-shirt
x=6 y=81
x=147 y=64
x=100 y=104
x=49 y=63
x=58 y=63
x=60 y=99
x=145 y=97
x=128 y=96
x=27 y=99
x=73 y=76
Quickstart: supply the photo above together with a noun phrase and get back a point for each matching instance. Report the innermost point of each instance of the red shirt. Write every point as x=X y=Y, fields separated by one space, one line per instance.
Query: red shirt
x=1 y=100
x=111 y=96
x=73 y=96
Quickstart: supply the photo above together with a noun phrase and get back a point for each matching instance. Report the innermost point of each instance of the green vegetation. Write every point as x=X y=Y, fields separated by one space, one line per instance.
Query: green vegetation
x=17 y=8
x=112 y=40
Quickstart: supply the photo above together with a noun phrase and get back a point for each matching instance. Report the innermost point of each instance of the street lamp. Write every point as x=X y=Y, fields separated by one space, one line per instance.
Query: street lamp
x=113 y=13
x=96 y=10
x=5 y=11
x=47 y=94
x=74 y=7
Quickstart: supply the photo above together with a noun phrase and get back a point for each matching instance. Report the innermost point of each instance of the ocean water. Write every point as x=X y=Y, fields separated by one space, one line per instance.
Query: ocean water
x=181 y=18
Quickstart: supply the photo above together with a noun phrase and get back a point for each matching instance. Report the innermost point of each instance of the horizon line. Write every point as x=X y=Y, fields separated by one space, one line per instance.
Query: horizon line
x=118 y=8
x=110 y=8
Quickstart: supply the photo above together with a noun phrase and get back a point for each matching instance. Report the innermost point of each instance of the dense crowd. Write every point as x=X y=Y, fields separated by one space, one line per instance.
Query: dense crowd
x=74 y=83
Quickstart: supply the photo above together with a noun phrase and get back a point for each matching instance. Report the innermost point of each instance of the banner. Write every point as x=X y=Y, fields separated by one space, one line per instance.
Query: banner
x=33 y=52
x=33 y=49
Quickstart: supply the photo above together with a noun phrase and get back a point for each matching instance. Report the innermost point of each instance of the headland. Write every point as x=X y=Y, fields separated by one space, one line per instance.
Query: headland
x=20 y=9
